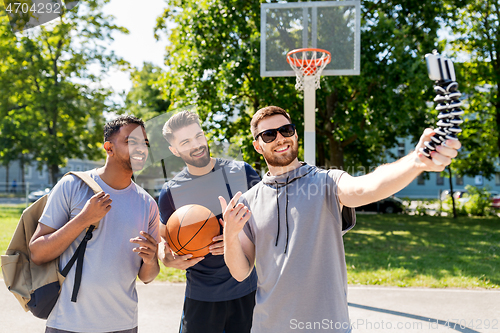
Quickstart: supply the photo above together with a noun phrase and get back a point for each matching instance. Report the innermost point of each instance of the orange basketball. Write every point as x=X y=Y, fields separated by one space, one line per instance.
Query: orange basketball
x=190 y=230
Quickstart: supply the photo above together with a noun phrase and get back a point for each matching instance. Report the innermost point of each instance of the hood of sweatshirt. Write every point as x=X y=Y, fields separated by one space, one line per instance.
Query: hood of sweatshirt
x=282 y=181
x=288 y=177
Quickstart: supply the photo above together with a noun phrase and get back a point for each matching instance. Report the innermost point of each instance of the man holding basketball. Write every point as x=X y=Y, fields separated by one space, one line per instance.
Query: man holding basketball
x=215 y=302
x=294 y=232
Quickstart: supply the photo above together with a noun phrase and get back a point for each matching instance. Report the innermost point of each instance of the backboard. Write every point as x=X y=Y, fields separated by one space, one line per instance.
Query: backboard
x=334 y=26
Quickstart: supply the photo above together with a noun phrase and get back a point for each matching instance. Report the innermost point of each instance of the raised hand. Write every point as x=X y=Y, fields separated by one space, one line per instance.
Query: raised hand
x=96 y=208
x=441 y=157
x=235 y=215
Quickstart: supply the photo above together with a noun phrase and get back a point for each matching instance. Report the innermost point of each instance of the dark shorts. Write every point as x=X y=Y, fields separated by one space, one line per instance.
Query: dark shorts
x=55 y=330
x=234 y=316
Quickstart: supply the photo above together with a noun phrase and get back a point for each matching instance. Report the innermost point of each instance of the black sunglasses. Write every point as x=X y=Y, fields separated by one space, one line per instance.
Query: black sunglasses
x=270 y=135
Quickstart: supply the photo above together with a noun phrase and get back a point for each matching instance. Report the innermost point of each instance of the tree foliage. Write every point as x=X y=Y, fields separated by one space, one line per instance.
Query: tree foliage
x=51 y=100
x=145 y=100
x=475 y=24
x=361 y=116
x=213 y=62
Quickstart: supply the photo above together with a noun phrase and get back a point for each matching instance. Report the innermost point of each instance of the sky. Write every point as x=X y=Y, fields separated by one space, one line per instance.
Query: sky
x=139 y=45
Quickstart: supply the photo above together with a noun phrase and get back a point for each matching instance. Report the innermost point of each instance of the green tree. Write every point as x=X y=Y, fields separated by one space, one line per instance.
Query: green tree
x=17 y=133
x=361 y=116
x=145 y=100
x=213 y=62
x=475 y=26
x=49 y=84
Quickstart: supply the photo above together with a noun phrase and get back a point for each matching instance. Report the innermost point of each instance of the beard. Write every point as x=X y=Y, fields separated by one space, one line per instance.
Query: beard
x=198 y=162
x=282 y=160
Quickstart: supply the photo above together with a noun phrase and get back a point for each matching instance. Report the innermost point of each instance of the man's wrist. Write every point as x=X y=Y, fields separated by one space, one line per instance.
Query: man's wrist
x=153 y=261
x=231 y=241
x=414 y=159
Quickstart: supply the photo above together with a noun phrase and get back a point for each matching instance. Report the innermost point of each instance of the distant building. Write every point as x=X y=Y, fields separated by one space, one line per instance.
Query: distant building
x=35 y=179
x=431 y=188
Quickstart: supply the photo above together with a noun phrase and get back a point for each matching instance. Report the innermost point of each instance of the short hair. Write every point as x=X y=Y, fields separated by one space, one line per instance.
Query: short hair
x=263 y=113
x=178 y=121
x=113 y=126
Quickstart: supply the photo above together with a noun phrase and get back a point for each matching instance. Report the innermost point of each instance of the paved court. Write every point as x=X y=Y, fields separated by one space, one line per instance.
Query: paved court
x=372 y=309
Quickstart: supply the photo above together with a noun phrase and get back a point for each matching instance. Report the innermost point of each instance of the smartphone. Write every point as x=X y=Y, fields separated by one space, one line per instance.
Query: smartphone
x=439 y=68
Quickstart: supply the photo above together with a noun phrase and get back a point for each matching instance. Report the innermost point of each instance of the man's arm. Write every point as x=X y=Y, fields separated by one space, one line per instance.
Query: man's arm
x=48 y=243
x=239 y=251
x=391 y=178
x=240 y=256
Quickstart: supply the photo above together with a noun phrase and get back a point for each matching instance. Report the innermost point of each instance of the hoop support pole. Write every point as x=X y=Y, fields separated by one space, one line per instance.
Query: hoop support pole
x=309 y=121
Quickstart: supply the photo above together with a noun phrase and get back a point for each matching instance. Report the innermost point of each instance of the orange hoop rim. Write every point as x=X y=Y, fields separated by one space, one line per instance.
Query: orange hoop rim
x=308 y=62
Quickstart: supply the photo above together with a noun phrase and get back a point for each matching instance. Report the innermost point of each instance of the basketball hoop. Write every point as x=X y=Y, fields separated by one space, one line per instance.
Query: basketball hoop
x=310 y=65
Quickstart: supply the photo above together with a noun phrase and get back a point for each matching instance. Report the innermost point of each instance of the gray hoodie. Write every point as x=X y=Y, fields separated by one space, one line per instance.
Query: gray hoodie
x=297 y=227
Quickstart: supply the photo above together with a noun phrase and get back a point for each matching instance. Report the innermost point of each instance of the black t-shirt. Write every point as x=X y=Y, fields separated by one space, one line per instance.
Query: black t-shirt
x=210 y=280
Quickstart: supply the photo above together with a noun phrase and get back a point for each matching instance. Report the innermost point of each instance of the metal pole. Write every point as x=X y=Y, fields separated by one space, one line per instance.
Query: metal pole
x=309 y=120
x=27 y=193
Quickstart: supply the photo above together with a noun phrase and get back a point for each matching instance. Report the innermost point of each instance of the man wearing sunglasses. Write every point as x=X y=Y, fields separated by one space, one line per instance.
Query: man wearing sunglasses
x=291 y=225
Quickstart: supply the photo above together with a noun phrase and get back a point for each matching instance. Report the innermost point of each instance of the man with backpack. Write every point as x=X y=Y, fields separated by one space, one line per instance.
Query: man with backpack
x=122 y=247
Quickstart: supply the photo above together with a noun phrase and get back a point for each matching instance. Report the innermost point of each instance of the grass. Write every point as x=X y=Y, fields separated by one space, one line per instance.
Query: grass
x=12 y=195
x=392 y=250
x=424 y=251
x=9 y=216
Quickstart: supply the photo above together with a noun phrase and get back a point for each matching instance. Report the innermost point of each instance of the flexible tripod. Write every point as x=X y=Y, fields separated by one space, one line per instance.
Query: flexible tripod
x=441 y=70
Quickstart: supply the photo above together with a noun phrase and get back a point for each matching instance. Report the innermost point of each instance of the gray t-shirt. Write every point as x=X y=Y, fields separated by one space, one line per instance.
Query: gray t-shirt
x=107 y=300
x=297 y=227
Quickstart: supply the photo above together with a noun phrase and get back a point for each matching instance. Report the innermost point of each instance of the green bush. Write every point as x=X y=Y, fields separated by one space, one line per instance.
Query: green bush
x=479 y=203
x=440 y=208
x=421 y=210
x=459 y=207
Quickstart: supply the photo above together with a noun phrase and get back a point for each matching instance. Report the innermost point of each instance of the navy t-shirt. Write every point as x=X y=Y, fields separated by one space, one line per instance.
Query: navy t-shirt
x=210 y=279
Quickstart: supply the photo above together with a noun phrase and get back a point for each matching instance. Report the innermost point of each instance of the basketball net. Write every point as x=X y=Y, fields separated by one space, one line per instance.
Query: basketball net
x=308 y=64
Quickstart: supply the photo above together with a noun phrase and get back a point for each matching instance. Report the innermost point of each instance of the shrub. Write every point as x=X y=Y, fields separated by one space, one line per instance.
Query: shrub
x=479 y=203
x=459 y=207
x=421 y=210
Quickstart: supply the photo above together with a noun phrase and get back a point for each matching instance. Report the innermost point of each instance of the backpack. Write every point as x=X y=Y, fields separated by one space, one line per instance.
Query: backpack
x=37 y=287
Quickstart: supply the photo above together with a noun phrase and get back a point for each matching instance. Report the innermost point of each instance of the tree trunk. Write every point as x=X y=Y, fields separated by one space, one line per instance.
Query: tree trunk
x=320 y=146
x=7 y=177
x=23 y=186
x=497 y=118
x=336 y=152
x=53 y=172
x=336 y=155
x=451 y=193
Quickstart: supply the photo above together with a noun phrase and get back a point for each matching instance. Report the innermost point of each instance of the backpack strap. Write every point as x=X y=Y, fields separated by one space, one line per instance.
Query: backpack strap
x=89 y=181
x=78 y=255
x=80 y=251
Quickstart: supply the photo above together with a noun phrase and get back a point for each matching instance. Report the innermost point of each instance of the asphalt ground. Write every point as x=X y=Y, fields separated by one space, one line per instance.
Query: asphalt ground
x=371 y=308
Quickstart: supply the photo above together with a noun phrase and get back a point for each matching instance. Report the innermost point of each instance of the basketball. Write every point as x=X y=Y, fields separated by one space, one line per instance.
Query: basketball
x=190 y=230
